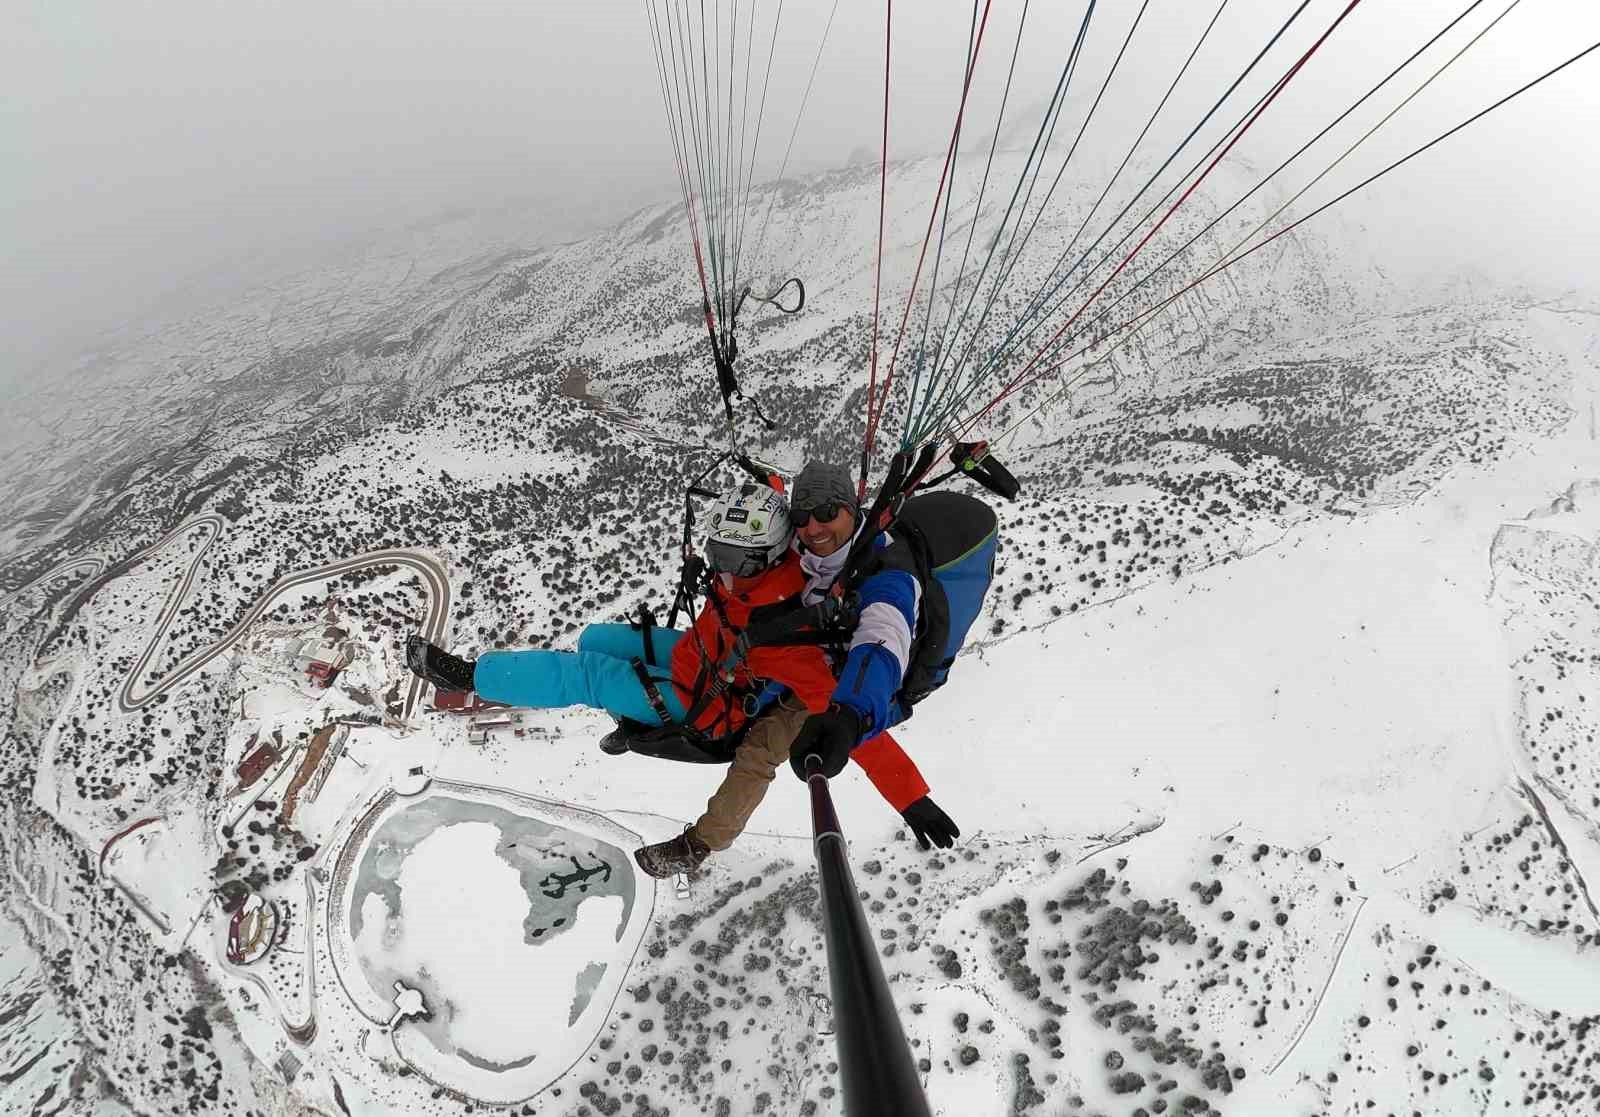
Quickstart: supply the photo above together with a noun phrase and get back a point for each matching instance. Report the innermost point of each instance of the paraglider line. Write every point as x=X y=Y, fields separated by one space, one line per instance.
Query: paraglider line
x=761 y=237
x=1141 y=319
x=1035 y=312
x=1148 y=276
x=1041 y=145
x=972 y=227
x=1266 y=104
x=875 y=407
x=877 y=278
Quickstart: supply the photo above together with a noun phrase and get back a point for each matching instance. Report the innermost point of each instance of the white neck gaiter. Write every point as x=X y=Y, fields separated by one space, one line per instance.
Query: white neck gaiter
x=821 y=570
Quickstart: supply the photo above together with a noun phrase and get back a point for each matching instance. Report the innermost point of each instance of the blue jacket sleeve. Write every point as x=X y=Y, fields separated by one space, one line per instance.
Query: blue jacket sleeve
x=880 y=650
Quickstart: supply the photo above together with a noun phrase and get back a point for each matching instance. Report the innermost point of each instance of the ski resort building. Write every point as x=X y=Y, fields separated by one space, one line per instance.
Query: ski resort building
x=462 y=702
x=323 y=657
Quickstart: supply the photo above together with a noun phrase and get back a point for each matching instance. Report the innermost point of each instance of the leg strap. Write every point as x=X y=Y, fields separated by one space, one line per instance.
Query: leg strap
x=647 y=621
x=657 y=703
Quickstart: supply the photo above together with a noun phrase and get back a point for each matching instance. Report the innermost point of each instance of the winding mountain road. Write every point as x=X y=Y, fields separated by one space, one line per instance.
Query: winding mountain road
x=15 y=622
x=135 y=696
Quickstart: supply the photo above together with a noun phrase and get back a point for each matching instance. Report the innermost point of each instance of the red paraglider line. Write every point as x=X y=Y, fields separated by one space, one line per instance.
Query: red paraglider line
x=877 y=401
x=680 y=163
x=877 y=278
x=1218 y=269
x=1027 y=375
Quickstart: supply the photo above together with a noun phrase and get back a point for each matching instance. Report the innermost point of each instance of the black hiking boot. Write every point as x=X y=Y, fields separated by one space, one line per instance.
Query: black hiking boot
x=683 y=854
x=615 y=743
x=437 y=666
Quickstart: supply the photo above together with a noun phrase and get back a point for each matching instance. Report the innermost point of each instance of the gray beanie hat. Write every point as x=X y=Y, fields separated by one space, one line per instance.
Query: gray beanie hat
x=822 y=483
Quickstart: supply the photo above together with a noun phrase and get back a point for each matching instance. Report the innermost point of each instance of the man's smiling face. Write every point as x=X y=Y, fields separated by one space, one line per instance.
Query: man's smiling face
x=824 y=537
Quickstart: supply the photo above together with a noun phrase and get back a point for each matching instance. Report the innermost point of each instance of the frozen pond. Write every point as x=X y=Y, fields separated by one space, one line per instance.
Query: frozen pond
x=513 y=922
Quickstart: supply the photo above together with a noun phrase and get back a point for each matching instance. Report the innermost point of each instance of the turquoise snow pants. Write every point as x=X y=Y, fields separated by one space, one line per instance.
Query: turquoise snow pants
x=599 y=674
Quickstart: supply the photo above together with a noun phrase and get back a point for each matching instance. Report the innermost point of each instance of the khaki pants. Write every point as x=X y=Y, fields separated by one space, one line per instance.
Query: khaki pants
x=764 y=748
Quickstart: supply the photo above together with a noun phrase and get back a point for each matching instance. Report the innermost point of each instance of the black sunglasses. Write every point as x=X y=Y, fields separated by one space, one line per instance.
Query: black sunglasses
x=800 y=517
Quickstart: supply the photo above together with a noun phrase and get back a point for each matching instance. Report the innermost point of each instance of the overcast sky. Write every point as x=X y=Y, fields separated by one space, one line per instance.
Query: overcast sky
x=160 y=151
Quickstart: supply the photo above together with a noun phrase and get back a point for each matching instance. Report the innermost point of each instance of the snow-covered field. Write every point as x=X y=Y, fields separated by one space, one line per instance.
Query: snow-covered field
x=1273 y=751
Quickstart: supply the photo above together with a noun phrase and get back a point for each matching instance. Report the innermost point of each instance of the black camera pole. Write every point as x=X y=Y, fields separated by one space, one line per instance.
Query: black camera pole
x=875 y=1066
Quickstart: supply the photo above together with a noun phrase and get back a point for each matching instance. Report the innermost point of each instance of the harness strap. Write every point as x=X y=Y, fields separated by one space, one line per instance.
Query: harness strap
x=828 y=637
x=720 y=686
x=651 y=691
x=647 y=621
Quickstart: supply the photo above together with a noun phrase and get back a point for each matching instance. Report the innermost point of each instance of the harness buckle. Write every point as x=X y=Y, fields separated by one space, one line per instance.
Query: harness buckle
x=651 y=691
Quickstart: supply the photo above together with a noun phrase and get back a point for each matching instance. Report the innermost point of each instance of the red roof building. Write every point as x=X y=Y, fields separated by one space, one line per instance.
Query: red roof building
x=462 y=702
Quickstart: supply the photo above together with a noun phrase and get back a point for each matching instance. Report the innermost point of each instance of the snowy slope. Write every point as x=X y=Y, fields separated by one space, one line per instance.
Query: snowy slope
x=1283 y=691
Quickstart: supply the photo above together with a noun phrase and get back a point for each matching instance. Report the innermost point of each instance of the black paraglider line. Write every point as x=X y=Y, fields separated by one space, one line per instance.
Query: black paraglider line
x=1011 y=259
x=1038 y=366
x=723 y=345
x=877 y=274
x=711 y=147
x=1145 y=131
x=1283 y=83
x=1014 y=339
x=972 y=226
x=1063 y=343
x=1152 y=273
x=691 y=572
x=953 y=399
x=710 y=198
x=1150 y=312
x=1035 y=308
x=1016 y=334
x=805 y=98
x=673 y=101
x=877 y=401
x=741 y=176
x=1041 y=145
x=920 y=352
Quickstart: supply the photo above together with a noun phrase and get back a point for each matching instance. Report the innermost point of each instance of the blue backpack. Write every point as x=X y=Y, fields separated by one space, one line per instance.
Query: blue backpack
x=948 y=540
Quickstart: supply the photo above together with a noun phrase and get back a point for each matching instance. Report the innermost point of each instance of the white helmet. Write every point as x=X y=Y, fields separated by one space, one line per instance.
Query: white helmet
x=749 y=530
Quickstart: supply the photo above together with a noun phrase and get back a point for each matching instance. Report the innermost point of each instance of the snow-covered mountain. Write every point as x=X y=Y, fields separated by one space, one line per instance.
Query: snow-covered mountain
x=1273 y=749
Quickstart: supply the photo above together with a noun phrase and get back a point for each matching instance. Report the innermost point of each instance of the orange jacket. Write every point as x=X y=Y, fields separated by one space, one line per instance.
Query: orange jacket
x=802 y=668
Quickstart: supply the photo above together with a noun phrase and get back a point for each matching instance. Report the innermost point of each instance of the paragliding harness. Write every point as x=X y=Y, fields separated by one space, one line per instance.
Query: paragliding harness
x=951 y=541
x=716 y=682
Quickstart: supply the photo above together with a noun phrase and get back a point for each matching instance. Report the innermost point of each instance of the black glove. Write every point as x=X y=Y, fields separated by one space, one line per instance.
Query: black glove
x=828 y=736
x=930 y=824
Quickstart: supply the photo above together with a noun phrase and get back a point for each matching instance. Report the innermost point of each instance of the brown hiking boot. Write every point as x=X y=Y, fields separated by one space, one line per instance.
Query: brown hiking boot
x=683 y=854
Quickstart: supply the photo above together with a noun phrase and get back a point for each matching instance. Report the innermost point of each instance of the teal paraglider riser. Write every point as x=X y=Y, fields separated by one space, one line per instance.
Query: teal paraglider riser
x=599 y=674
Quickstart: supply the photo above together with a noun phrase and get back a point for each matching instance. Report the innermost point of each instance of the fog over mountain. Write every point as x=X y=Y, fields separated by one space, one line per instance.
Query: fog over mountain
x=170 y=155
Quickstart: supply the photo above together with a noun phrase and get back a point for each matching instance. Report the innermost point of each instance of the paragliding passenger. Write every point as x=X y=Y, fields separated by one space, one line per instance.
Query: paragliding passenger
x=662 y=676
